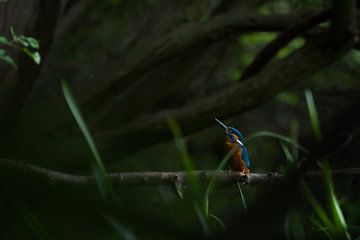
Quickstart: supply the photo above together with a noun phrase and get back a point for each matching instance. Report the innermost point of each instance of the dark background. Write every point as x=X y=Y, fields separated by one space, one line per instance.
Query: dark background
x=131 y=65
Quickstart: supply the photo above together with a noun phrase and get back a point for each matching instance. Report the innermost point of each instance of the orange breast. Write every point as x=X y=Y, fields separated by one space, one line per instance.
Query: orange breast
x=236 y=161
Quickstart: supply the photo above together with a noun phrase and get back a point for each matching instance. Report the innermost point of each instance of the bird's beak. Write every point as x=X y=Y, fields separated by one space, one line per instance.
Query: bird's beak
x=222 y=125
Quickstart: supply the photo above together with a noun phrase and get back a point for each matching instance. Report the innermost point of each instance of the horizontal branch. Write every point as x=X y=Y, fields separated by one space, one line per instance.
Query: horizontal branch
x=16 y=170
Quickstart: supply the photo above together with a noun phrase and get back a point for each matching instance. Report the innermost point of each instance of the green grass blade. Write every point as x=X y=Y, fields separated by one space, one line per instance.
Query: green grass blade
x=221 y=166
x=202 y=219
x=320 y=212
x=120 y=229
x=185 y=157
x=75 y=110
x=314 y=119
x=288 y=155
x=100 y=174
x=294 y=227
x=221 y=223
x=294 y=135
x=212 y=182
x=243 y=200
x=321 y=228
x=338 y=217
x=277 y=136
x=33 y=222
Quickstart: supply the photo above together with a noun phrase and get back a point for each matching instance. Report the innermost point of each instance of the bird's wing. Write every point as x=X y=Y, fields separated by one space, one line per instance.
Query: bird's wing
x=245 y=156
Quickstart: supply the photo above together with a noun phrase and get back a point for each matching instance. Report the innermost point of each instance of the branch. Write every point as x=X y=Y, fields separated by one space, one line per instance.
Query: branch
x=270 y=50
x=186 y=36
x=16 y=170
x=343 y=21
x=245 y=95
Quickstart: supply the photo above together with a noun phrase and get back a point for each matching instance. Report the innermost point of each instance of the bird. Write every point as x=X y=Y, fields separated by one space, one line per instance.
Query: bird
x=239 y=160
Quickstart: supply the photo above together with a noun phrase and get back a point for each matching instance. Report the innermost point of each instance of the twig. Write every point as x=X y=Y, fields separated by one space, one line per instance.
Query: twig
x=15 y=170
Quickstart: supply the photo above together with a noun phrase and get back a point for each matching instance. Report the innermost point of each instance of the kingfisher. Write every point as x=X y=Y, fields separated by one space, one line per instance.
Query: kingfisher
x=240 y=160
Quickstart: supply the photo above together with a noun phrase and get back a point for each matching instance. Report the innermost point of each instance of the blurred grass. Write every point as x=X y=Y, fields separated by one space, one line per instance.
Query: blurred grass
x=122 y=231
x=99 y=170
x=185 y=157
x=333 y=224
x=192 y=180
x=277 y=136
x=294 y=227
x=289 y=157
x=242 y=196
x=314 y=119
x=33 y=222
x=337 y=215
x=210 y=187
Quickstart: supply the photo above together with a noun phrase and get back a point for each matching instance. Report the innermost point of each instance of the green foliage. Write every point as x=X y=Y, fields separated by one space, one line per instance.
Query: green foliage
x=314 y=119
x=294 y=227
x=333 y=225
x=6 y=58
x=337 y=215
x=27 y=45
x=288 y=98
x=293 y=45
x=33 y=222
x=99 y=168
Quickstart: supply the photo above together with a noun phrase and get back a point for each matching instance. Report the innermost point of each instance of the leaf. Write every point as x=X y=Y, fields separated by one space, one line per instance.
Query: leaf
x=35 y=56
x=34 y=43
x=6 y=58
x=3 y=40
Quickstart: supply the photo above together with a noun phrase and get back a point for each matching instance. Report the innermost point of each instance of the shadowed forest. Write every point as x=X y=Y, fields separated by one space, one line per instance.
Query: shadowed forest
x=107 y=126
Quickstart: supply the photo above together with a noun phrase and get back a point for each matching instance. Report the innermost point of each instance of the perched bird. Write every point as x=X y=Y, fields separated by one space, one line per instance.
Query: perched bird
x=239 y=161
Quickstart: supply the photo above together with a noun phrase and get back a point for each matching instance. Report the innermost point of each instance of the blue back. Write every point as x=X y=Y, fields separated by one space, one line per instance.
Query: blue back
x=245 y=154
x=237 y=133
